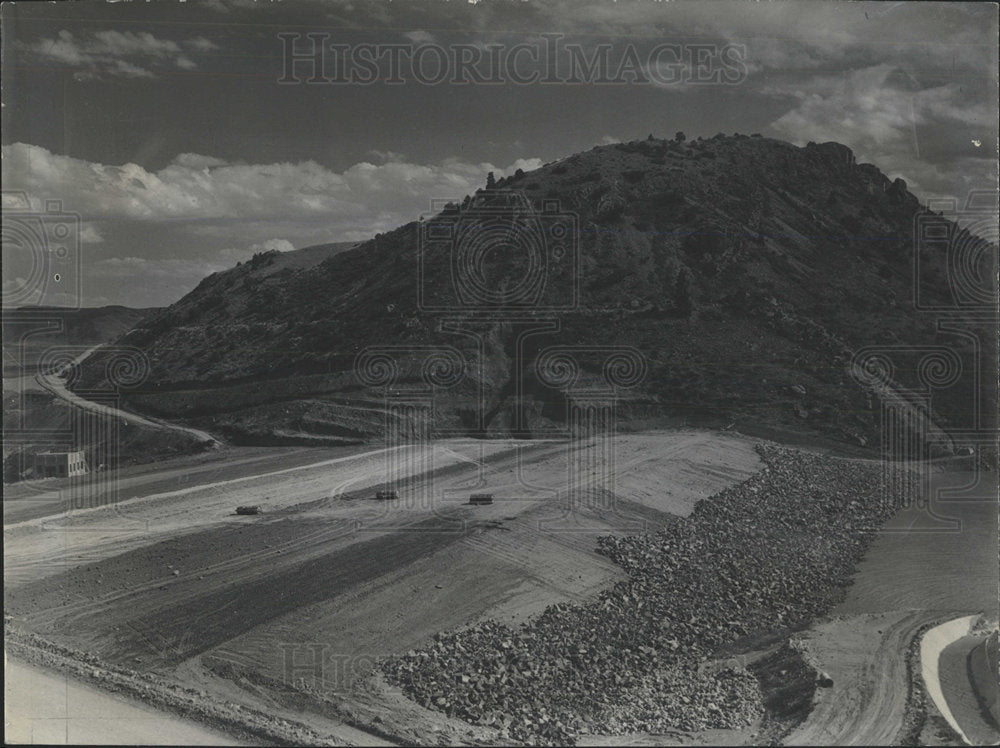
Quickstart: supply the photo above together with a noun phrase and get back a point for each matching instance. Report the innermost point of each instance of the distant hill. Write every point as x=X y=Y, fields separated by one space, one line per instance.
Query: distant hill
x=59 y=326
x=746 y=270
x=34 y=420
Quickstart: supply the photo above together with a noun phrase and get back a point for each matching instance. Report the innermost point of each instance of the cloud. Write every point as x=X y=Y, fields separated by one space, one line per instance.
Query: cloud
x=163 y=231
x=127 y=43
x=921 y=133
x=129 y=54
x=90 y=235
x=200 y=44
x=525 y=164
x=419 y=36
x=198 y=187
x=387 y=155
x=198 y=162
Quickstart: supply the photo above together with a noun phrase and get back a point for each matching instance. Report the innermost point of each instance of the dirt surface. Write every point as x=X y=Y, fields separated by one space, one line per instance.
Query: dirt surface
x=168 y=579
x=290 y=610
x=925 y=568
x=983 y=665
x=42 y=707
x=863 y=655
x=950 y=567
x=51 y=496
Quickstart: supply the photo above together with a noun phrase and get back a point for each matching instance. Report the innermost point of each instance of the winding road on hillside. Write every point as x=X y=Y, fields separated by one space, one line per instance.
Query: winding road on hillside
x=54 y=385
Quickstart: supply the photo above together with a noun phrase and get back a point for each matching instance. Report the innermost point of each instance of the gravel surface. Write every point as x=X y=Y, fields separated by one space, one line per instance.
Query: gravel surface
x=770 y=553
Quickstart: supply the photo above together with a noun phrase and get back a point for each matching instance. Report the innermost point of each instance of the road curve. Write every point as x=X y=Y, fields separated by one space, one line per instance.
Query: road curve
x=944 y=652
x=864 y=656
x=54 y=385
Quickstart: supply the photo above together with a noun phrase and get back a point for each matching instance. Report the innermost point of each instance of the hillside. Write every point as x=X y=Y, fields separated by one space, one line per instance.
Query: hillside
x=74 y=327
x=34 y=420
x=746 y=270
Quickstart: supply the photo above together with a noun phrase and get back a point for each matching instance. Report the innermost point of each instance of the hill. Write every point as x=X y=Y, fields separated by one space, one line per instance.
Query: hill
x=72 y=327
x=746 y=272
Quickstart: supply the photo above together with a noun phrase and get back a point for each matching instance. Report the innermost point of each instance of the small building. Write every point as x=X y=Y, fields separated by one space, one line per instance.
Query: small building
x=59 y=464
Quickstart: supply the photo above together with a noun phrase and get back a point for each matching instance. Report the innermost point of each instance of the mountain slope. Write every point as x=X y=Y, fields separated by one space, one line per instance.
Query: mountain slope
x=62 y=327
x=745 y=270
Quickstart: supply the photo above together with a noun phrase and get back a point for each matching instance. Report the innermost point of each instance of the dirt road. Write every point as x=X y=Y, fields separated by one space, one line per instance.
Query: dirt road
x=54 y=385
x=910 y=577
x=172 y=581
x=52 y=496
x=864 y=655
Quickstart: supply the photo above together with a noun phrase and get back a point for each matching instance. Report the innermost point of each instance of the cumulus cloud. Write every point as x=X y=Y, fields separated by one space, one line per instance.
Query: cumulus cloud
x=195 y=186
x=921 y=133
x=419 y=36
x=165 y=230
x=200 y=44
x=130 y=54
x=123 y=43
x=90 y=235
x=198 y=162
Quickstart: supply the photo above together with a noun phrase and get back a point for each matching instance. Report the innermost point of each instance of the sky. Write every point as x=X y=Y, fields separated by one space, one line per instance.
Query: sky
x=173 y=140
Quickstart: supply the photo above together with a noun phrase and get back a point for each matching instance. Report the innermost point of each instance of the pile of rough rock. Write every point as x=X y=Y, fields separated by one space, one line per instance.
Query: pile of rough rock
x=772 y=552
